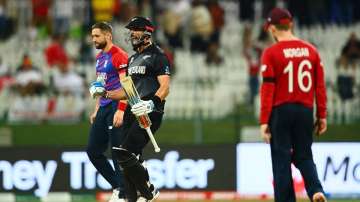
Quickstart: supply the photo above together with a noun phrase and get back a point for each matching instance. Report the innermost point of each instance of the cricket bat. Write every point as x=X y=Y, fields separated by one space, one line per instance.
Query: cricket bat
x=133 y=98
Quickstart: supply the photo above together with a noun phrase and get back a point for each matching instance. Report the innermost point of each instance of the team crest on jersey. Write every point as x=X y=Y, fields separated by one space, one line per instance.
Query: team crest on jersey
x=167 y=69
x=146 y=56
x=101 y=76
x=122 y=66
x=137 y=70
x=263 y=68
x=131 y=60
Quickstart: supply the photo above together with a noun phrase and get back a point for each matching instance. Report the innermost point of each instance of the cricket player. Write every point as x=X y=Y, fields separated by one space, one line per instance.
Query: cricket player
x=149 y=69
x=108 y=114
x=292 y=76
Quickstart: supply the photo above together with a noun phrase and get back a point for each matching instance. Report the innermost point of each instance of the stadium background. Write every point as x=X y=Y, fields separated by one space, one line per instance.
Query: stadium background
x=47 y=62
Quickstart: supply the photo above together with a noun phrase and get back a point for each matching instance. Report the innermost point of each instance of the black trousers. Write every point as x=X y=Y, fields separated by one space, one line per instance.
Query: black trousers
x=101 y=135
x=135 y=137
x=136 y=177
x=291 y=127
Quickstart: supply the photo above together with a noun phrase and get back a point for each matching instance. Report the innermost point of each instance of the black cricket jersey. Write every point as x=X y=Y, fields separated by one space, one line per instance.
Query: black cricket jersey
x=144 y=68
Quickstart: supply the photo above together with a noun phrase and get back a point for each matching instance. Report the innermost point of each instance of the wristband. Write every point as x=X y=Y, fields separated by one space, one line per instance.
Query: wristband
x=122 y=106
x=156 y=100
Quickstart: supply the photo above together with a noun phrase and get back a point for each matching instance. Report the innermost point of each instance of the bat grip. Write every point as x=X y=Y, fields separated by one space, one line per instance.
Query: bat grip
x=144 y=121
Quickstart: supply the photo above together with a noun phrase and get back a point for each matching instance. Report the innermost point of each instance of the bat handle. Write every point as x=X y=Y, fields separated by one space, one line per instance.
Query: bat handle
x=152 y=139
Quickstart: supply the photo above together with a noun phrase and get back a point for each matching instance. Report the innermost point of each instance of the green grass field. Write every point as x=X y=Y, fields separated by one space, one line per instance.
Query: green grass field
x=179 y=132
x=221 y=131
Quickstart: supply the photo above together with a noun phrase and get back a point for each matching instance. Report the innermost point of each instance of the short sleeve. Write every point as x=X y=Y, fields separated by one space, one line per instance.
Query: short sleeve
x=120 y=61
x=161 y=65
x=267 y=69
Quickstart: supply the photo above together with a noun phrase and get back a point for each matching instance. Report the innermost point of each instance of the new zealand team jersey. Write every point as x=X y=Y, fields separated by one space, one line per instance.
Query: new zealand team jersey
x=292 y=73
x=144 y=68
x=108 y=66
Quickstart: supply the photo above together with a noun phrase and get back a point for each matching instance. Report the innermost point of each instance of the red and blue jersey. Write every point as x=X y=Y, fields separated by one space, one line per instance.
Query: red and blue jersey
x=108 y=67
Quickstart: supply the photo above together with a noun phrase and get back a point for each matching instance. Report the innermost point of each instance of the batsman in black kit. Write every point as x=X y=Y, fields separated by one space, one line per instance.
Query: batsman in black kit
x=149 y=69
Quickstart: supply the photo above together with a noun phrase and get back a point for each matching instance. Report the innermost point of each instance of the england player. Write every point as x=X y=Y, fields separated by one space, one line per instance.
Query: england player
x=292 y=75
x=149 y=69
x=108 y=114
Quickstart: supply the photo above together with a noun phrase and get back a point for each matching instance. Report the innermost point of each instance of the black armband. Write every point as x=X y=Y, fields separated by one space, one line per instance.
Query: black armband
x=269 y=79
x=156 y=100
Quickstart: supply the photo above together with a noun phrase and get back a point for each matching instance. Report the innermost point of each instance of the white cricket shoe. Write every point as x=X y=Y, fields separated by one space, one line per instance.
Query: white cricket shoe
x=115 y=196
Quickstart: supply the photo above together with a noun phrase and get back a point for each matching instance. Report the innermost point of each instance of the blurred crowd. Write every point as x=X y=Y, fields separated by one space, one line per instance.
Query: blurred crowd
x=193 y=25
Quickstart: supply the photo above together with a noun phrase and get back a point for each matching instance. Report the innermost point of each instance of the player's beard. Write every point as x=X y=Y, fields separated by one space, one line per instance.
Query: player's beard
x=100 y=45
x=137 y=41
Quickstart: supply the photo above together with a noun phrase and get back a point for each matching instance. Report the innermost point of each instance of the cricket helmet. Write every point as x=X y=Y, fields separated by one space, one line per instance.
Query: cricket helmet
x=141 y=23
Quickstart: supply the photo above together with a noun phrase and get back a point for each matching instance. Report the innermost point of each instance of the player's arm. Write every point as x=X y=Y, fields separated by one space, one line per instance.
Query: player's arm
x=119 y=114
x=122 y=75
x=267 y=88
x=122 y=67
x=93 y=115
x=163 y=91
x=120 y=62
x=267 y=91
x=118 y=94
x=162 y=70
x=123 y=102
x=320 y=95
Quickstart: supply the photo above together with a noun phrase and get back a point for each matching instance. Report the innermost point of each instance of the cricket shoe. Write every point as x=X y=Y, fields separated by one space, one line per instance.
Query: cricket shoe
x=115 y=196
x=319 y=197
x=155 y=193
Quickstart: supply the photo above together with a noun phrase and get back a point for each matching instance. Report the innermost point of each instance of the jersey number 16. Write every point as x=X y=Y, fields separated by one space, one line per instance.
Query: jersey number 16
x=301 y=75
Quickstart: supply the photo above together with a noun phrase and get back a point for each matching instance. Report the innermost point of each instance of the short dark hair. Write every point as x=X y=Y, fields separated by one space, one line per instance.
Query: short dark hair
x=103 y=26
x=282 y=27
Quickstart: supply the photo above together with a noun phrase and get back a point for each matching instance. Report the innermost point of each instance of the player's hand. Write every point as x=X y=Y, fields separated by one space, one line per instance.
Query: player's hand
x=265 y=133
x=97 y=89
x=320 y=126
x=142 y=107
x=118 y=118
x=92 y=117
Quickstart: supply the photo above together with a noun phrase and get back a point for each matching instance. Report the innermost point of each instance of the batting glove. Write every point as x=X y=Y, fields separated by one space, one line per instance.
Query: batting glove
x=97 y=89
x=142 y=107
